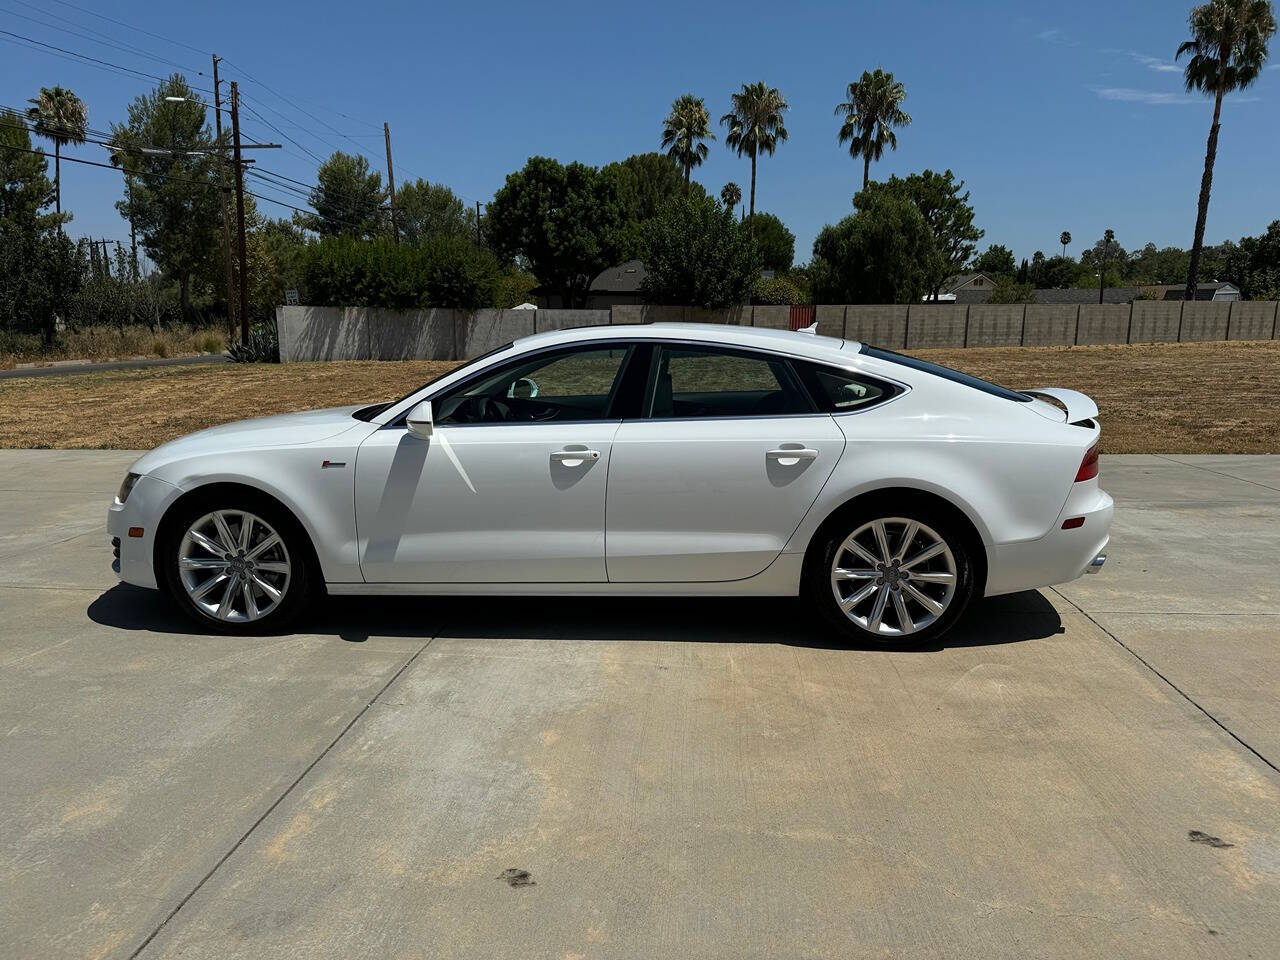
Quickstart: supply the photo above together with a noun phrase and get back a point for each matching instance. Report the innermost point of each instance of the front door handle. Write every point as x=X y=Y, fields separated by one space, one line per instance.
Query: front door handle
x=789 y=457
x=572 y=458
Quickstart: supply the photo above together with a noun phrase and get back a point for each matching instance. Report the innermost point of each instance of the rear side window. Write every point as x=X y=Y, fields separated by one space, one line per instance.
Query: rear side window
x=840 y=391
x=938 y=370
x=711 y=382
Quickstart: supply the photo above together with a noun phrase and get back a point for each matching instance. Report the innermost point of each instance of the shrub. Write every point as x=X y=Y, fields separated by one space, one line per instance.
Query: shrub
x=263 y=346
x=776 y=291
x=695 y=253
x=440 y=272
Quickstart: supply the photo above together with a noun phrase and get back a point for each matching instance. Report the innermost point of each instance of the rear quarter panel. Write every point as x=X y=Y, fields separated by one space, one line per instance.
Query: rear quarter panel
x=1007 y=468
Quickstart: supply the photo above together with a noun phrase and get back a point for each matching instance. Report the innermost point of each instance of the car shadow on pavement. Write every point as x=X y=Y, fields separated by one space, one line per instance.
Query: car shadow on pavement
x=998 y=620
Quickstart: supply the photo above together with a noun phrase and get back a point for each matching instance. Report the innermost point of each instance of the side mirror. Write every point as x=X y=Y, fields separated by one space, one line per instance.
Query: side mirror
x=419 y=421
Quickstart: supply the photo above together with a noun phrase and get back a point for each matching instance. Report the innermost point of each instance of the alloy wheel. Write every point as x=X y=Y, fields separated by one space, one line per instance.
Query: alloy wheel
x=234 y=566
x=893 y=576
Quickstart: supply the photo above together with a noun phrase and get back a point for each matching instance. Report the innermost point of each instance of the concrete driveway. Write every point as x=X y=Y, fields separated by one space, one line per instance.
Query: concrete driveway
x=1082 y=772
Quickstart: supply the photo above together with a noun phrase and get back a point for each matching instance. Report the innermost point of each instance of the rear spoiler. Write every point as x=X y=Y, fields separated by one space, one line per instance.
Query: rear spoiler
x=1078 y=406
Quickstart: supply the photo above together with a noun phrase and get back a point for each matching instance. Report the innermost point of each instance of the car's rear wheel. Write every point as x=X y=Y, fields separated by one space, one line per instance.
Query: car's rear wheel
x=236 y=564
x=893 y=578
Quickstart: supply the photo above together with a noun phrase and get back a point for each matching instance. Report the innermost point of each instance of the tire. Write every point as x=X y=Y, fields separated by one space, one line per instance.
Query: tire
x=866 y=601
x=230 y=587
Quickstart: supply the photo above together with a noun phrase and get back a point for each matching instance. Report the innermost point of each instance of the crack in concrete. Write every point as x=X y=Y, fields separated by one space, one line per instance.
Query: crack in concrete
x=275 y=803
x=1182 y=693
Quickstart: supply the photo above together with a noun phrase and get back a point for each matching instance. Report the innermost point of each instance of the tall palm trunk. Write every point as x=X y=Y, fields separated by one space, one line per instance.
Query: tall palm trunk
x=753 y=184
x=57 y=180
x=1202 y=213
x=866 y=170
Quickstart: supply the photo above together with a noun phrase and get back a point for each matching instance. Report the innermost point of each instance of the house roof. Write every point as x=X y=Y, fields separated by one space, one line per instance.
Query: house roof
x=958 y=280
x=624 y=278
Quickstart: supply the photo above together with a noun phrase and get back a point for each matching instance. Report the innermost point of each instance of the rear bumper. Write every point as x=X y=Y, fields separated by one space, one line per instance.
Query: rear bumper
x=1060 y=555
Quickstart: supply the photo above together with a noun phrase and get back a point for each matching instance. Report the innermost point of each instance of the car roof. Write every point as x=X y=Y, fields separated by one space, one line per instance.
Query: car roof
x=763 y=338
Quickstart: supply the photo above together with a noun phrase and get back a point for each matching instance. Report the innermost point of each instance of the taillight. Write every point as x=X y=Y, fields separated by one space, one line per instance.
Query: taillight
x=1089 y=465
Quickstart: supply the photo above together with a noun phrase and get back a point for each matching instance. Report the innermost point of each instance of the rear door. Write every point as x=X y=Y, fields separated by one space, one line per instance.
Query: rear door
x=710 y=483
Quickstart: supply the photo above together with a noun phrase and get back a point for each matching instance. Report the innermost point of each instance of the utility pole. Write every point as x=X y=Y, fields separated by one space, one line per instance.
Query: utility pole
x=133 y=235
x=226 y=218
x=244 y=257
x=391 y=183
x=106 y=259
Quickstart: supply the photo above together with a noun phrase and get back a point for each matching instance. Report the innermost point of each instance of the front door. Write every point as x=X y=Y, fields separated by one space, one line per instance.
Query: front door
x=711 y=484
x=510 y=488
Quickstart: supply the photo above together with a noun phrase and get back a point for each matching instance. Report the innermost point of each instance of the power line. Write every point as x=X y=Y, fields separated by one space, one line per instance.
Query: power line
x=129 y=26
x=108 y=42
x=92 y=61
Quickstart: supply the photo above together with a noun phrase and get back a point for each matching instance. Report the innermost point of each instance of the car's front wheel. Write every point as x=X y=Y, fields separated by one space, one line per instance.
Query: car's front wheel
x=236 y=565
x=897 y=578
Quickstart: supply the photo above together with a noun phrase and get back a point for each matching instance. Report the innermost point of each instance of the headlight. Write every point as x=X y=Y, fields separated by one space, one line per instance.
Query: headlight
x=125 y=488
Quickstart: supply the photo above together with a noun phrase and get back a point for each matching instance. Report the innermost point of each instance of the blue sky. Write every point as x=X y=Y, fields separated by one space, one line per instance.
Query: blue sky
x=1058 y=116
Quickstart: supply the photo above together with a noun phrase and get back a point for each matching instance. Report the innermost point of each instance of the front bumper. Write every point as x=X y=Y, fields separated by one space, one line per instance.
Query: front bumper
x=132 y=555
x=1060 y=555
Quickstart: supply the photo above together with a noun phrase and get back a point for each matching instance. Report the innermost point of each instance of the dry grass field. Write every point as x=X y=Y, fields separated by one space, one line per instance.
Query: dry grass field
x=1154 y=398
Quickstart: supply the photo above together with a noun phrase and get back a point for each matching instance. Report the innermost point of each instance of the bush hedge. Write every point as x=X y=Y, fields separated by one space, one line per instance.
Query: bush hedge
x=440 y=272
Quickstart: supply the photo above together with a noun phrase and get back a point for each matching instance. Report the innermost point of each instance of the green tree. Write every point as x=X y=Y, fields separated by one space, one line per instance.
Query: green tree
x=1064 y=238
x=775 y=244
x=731 y=195
x=872 y=110
x=948 y=212
x=997 y=261
x=39 y=271
x=695 y=253
x=1254 y=265
x=643 y=183
x=562 y=221
x=432 y=210
x=169 y=151
x=1228 y=47
x=60 y=117
x=755 y=125
x=1055 y=273
x=884 y=253
x=348 y=198
x=684 y=131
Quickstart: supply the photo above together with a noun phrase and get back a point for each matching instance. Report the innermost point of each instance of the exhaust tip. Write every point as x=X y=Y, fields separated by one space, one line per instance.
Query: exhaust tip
x=1096 y=563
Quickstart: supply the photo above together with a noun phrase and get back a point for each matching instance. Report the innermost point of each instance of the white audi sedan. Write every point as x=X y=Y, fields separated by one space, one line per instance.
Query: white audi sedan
x=665 y=460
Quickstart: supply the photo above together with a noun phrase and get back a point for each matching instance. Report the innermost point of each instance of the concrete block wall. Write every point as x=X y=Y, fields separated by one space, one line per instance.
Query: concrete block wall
x=1050 y=324
x=995 y=324
x=1204 y=320
x=1253 y=320
x=369 y=333
x=1103 y=323
x=936 y=325
x=881 y=325
x=1155 y=321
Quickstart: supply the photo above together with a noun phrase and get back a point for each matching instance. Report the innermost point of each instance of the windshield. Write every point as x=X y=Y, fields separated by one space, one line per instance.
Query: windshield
x=938 y=370
x=448 y=373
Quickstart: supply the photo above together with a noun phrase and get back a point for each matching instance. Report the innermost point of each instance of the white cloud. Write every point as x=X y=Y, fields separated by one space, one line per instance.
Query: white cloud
x=1154 y=63
x=1150 y=97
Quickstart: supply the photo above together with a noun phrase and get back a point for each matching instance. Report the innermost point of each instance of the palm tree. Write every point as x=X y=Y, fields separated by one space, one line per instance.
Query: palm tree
x=755 y=124
x=58 y=115
x=1064 y=239
x=686 y=126
x=730 y=195
x=1228 y=47
x=873 y=109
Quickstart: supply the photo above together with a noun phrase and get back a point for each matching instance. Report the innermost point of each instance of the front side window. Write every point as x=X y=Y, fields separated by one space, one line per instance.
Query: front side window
x=705 y=382
x=562 y=387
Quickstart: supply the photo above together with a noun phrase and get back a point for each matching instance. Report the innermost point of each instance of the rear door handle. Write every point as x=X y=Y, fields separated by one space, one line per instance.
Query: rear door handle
x=790 y=457
x=573 y=457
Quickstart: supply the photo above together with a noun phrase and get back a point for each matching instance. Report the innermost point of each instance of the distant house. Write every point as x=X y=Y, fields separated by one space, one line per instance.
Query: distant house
x=618 y=285
x=1214 y=290
x=970 y=283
